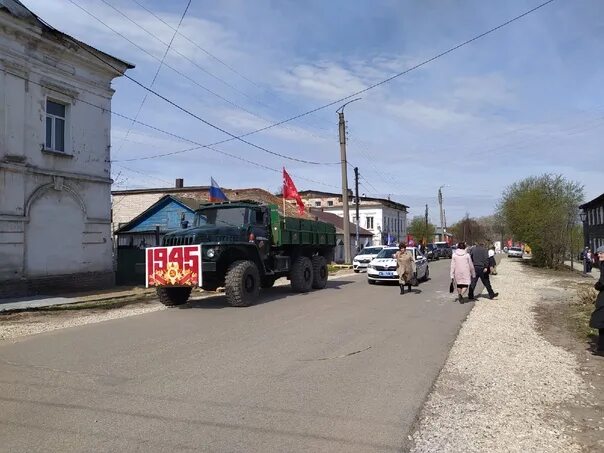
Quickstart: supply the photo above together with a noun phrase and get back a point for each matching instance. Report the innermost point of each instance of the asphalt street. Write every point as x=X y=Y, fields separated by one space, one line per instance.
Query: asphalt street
x=344 y=369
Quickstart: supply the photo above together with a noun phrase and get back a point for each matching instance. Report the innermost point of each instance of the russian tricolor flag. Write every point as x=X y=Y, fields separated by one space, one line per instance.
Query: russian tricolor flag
x=216 y=193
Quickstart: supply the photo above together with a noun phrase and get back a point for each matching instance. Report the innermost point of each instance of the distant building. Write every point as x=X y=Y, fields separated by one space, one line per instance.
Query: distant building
x=386 y=219
x=365 y=236
x=128 y=204
x=593 y=227
x=55 y=184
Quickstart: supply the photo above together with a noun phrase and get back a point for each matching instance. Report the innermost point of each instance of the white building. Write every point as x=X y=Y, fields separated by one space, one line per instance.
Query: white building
x=55 y=185
x=384 y=218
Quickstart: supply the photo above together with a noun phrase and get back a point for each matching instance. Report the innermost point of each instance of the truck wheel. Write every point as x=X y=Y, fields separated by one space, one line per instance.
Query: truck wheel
x=267 y=282
x=173 y=296
x=319 y=272
x=242 y=284
x=301 y=275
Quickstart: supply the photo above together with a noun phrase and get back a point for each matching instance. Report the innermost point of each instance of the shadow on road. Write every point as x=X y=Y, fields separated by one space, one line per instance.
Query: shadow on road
x=266 y=295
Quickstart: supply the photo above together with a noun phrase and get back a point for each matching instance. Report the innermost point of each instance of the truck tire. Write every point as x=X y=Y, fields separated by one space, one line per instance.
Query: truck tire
x=242 y=284
x=173 y=296
x=267 y=282
x=301 y=275
x=319 y=272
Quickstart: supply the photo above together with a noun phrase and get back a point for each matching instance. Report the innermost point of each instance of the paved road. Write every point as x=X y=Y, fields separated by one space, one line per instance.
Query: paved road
x=345 y=369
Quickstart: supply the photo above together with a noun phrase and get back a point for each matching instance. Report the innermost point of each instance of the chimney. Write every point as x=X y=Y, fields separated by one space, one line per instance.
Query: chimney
x=179 y=183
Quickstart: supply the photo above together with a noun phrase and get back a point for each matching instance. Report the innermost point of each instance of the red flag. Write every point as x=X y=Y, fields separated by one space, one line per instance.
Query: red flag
x=290 y=192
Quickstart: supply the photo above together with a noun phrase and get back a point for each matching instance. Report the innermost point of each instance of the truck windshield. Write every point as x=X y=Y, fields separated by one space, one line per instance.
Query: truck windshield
x=233 y=217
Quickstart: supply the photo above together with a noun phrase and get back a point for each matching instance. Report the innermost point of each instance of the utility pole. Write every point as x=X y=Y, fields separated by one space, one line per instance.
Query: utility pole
x=426 y=218
x=356 y=198
x=442 y=219
x=346 y=214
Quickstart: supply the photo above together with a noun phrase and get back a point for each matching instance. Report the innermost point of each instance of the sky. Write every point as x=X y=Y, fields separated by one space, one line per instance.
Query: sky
x=522 y=101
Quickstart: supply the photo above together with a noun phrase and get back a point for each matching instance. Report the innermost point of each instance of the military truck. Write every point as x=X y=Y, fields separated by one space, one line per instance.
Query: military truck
x=242 y=247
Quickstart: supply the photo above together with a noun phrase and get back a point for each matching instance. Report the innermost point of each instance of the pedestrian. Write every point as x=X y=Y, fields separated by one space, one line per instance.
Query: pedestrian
x=590 y=260
x=597 y=317
x=462 y=270
x=492 y=261
x=585 y=259
x=480 y=258
x=405 y=267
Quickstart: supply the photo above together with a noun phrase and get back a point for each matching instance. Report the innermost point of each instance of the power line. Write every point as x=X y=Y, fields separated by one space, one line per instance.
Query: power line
x=199 y=145
x=154 y=36
x=208 y=53
x=406 y=71
x=194 y=82
x=176 y=105
x=197 y=117
x=161 y=63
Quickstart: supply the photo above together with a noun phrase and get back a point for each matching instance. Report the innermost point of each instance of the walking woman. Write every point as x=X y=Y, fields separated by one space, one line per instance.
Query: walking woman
x=405 y=266
x=597 y=317
x=462 y=270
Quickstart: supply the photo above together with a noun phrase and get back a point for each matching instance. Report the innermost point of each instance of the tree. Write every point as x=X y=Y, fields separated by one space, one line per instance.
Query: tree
x=469 y=230
x=541 y=211
x=420 y=230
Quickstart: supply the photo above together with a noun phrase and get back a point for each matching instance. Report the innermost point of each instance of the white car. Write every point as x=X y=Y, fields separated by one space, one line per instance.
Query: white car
x=362 y=260
x=515 y=252
x=383 y=267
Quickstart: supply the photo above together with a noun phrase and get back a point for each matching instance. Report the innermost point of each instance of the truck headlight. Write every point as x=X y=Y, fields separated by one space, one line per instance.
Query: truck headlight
x=210 y=253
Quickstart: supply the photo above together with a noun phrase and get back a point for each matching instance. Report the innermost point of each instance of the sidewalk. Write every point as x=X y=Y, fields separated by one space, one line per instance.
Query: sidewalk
x=31 y=302
x=125 y=293
x=578 y=267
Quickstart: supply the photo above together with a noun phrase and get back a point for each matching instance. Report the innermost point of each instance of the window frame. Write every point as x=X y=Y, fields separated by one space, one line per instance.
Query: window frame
x=53 y=136
x=369 y=220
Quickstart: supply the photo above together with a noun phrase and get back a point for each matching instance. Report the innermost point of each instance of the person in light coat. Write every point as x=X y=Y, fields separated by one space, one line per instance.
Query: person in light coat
x=462 y=270
x=405 y=267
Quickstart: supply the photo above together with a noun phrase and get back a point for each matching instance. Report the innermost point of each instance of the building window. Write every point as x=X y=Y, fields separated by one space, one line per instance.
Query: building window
x=55 y=126
x=318 y=204
x=330 y=203
x=369 y=223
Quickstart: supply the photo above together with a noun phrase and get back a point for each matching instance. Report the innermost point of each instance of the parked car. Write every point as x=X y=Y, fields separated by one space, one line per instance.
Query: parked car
x=432 y=252
x=383 y=267
x=362 y=260
x=444 y=249
x=515 y=252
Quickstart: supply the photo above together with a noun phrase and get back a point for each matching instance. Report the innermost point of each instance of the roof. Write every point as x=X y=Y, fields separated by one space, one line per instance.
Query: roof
x=598 y=201
x=188 y=203
x=201 y=195
x=16 y=9
x=338 y=222
x=383 y=201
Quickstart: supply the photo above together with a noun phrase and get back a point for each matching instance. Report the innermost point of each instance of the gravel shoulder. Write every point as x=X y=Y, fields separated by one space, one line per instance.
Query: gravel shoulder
x=505 y=387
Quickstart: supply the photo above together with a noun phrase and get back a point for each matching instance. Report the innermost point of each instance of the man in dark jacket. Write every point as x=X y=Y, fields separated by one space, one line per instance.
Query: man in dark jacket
x=597 y=317
x=480 y=258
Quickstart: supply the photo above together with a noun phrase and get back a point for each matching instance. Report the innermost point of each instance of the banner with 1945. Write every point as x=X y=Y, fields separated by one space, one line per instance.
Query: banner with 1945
x=173 y=266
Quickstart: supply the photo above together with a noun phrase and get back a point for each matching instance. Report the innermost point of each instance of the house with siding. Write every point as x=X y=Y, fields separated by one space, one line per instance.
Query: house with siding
x=55 y=182
x=593 y=225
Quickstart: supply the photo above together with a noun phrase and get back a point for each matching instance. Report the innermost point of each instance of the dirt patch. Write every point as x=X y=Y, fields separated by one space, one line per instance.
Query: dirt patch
x=562 y=319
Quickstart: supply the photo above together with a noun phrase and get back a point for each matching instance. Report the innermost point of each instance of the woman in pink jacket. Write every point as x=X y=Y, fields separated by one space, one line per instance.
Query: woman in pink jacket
x=462 y=270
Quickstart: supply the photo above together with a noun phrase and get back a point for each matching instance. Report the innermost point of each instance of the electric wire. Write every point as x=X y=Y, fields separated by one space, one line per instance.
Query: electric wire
x=179 y=137
x=208 y=53
x=178 y=106
x=161 y=63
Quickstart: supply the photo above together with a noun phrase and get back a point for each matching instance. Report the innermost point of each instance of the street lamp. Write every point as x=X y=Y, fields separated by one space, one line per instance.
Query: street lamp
x=583 y=217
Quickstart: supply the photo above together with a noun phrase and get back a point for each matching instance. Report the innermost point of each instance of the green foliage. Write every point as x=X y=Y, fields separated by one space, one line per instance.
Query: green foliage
x=420 y=230
x=469 y=230
x=541 y=211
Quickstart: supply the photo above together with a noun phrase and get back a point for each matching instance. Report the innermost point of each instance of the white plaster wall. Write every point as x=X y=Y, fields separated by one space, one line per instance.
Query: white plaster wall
x=55 y=209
